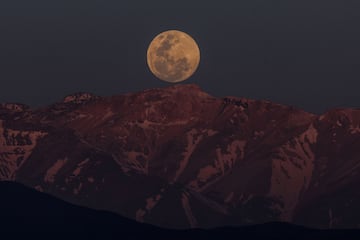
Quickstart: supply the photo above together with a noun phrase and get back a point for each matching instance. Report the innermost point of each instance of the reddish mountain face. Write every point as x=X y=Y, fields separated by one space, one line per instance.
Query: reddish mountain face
x=178 y=157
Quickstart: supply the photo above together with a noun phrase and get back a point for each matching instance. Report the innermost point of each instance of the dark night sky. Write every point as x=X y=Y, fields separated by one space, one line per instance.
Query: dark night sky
x=303 y=52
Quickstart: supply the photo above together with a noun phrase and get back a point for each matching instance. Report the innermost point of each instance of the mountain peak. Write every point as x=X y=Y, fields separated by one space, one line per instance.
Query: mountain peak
x=80 y=97
x=179 y=88
x=14 y=107
x=191 y=86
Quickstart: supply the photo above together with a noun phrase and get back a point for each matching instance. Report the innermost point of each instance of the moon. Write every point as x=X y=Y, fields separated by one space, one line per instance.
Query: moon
x=173 y=56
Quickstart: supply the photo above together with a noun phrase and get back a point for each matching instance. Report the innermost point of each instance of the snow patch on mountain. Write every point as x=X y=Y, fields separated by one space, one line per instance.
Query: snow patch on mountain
x=354 y=129
x=15 y=148
x=188 y=212
x=39 y=188
x=223 y=162
x=108 y=114
x=77 y=171
x=77 y=190
x=311 y=135
x=140 y=214
x=151 y=202
x=54 y=169
x=193 y=139
x=245 y=198
x=205 y=174
x=226 y=160
x=79 y=98
x=338 y=123
x=136 y=161
x=149 y=124
x=14 y=107
x=258 y=134
x=211 y=132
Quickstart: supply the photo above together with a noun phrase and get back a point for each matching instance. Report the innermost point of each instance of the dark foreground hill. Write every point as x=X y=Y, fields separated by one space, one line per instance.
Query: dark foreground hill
x=26 y=212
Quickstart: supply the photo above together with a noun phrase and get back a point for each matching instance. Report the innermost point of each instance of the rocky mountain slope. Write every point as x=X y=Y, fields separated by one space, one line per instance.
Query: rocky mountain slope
x=178 y=157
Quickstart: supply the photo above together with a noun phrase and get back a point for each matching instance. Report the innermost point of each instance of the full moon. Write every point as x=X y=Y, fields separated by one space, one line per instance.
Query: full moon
x=173 y=56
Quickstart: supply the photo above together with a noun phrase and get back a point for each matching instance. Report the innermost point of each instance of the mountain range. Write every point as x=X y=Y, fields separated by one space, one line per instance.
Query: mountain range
x=178 y=157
